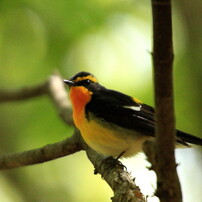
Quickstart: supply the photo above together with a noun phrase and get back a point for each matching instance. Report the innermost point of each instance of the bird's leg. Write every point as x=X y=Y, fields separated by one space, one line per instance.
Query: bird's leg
x=118 y=163
x=120 y=155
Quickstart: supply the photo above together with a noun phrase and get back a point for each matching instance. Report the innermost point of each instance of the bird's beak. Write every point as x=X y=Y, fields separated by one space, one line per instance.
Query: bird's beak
x=69 y=83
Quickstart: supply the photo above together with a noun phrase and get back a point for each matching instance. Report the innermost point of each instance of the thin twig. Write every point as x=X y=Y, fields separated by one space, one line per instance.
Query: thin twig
x=53 y=87
x=24 y=93
x=59 y=96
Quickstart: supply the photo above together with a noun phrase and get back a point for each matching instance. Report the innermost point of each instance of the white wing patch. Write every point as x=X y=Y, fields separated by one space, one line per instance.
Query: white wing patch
x=135 y=108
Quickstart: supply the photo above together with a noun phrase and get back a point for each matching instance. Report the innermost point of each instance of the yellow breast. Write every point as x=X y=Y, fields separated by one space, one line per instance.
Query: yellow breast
x=111 y=140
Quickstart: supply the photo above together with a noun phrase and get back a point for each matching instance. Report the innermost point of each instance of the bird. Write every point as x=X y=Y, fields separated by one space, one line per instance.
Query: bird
x=113 y=123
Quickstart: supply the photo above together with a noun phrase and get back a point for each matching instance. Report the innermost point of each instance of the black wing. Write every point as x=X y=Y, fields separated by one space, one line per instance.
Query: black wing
x=122 y=110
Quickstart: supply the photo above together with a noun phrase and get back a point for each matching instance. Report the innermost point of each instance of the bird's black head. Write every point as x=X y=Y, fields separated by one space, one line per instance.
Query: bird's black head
x=85 y=79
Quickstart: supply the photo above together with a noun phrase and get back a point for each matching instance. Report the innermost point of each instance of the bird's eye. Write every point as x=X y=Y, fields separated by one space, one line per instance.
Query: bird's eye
x=88 y=81
x=85 y=82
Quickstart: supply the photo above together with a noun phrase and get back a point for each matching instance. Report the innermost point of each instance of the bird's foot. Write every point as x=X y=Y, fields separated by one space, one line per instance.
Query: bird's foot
x=111 y=162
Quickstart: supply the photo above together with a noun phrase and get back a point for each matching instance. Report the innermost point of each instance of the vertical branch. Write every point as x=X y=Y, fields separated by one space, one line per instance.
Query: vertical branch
x=168 y=186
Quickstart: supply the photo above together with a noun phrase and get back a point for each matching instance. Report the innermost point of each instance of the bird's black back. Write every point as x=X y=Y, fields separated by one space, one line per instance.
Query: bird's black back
x=113 y=107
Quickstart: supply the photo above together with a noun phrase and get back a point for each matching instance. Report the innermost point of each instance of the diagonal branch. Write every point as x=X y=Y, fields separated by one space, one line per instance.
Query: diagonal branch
x=41 y=155
x=120 y=181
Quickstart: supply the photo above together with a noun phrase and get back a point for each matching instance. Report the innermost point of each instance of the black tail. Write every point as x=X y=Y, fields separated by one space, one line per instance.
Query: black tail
x=188 y=138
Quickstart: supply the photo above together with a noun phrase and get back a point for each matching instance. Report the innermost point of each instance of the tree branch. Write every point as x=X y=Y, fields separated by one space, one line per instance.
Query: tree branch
x=53 y=87
x=121 y=182
x=41 y=155
x=24 y=93
x=161 y=153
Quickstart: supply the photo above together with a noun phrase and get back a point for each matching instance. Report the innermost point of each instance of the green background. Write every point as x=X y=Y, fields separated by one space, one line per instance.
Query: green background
x=112 y=39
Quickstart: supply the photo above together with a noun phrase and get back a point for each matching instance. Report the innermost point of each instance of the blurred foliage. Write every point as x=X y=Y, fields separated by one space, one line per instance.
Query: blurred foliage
x=110 y=38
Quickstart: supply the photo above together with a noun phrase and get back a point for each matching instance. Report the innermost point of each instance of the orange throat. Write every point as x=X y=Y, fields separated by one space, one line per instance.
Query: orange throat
x=79 y=96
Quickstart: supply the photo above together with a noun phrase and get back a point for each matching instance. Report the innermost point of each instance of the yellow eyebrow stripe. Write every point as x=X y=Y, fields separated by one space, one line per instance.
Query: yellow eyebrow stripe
x=91 y=78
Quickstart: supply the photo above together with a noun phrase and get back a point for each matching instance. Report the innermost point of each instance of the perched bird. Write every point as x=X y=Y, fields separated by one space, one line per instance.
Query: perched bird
x=113 y=123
